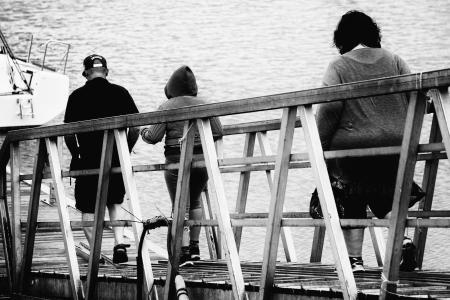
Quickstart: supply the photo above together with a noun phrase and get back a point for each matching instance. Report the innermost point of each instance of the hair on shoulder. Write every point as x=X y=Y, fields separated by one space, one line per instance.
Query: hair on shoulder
x=354 y=28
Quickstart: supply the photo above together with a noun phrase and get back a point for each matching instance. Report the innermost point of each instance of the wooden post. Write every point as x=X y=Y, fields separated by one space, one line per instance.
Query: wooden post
x=33 y=209
x=286 y=235
x=326 y=197
x=210 y=232
x=6 y=229
x=379 y=246
x=220 y=154
x=223 y=215
x=15 y=211
x=317 y=244
x=244 y=181
x=132 y=194
x=181 y=198
x=99 y=215
x=428 y=184
x=69 y=245
x=276 y=202
x=405 y=175
x=441 y=101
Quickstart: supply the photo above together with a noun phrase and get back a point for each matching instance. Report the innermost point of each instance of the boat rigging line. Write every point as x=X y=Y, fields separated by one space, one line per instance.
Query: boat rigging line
x=14 y=60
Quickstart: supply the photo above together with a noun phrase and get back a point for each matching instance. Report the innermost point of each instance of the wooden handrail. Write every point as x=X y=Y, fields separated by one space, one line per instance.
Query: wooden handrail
x=369 y=88
x=426 y=151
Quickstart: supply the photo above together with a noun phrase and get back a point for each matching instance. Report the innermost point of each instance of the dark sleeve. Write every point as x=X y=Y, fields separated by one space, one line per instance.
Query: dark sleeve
x=70 y=114
x=130 y=106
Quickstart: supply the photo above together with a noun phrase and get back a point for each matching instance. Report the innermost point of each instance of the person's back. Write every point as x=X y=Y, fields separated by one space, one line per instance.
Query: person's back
x=181 y=91
x=362 y=123
x=373 y=121
x=98 y=98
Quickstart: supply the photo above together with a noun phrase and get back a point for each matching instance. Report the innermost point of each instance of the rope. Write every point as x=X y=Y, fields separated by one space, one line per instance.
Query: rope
x=384 y=280
x=140 y=221
x=183 y=138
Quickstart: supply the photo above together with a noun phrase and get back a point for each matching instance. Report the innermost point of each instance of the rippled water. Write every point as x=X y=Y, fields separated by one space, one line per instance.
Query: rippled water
x=237 y=49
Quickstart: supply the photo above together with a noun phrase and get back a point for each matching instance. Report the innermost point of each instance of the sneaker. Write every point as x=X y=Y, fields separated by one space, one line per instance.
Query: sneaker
x=408 y=261
x=120 y=253
x=357 y=264
x=194 y=250
x=185 y=257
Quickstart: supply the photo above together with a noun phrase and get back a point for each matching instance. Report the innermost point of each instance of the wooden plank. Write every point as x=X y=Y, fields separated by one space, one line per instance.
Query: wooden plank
x=405 y=175
x=220 y=156
x=288 y=220
x=317 y=244
x=369 y=88
x=222 y=213
x=133 y=196
x=15 y=211
x=179 y=209
x=244 y=181
x=69 y=245
x=297 y=160
x=254 y=127
x=286 y=235
x=441 y=101
x=33 y=209
x=428 y=184
x=327 y=203
x=211 y=236
x=378 y=243
x=6 y=229
x=277 y=202
x=99 y=214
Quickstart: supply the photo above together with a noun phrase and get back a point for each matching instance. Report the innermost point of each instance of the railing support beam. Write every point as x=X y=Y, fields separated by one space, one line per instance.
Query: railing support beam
x=69 y=244
x=223 y=214
x=33 y=209
x=327 y=203
x=181 y=198
x=277 y=202
x=405 y=175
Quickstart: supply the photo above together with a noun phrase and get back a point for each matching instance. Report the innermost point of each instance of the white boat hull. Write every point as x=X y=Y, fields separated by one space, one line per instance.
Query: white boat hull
x=48 y=99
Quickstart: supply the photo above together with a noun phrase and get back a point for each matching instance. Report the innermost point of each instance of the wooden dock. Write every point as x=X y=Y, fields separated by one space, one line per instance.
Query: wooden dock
x=206 y=279
x=39 y=241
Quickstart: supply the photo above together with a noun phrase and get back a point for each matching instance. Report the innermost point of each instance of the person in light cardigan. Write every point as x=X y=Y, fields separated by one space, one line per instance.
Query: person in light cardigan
x=363 y=123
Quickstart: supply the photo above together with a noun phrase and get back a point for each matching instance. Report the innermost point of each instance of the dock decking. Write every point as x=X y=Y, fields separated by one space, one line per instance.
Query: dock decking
x=206 y=279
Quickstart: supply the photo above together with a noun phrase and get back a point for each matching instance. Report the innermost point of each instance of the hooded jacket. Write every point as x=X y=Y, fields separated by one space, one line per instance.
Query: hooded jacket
x=181 y=90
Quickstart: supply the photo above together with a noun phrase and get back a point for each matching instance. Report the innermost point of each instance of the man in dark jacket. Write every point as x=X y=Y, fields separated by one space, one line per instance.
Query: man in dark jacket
x=98 y=98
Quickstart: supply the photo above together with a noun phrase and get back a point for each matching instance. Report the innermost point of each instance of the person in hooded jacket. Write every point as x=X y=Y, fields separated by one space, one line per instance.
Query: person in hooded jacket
x=181 y=91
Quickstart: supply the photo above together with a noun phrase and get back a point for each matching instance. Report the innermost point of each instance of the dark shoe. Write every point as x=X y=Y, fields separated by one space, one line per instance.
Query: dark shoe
x=120 y=253
x=408 y=262
x=185 y=257
x=194 y=250
x=357 y=264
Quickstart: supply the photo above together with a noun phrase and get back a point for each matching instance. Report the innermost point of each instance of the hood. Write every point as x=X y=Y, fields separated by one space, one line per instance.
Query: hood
x=181 y=83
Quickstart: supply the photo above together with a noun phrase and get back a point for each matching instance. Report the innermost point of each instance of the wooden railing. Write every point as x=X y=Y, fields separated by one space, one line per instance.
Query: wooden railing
x=434 y=82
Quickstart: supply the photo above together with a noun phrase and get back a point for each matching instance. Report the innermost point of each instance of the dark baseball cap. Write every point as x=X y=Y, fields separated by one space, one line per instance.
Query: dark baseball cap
x=94 y=61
